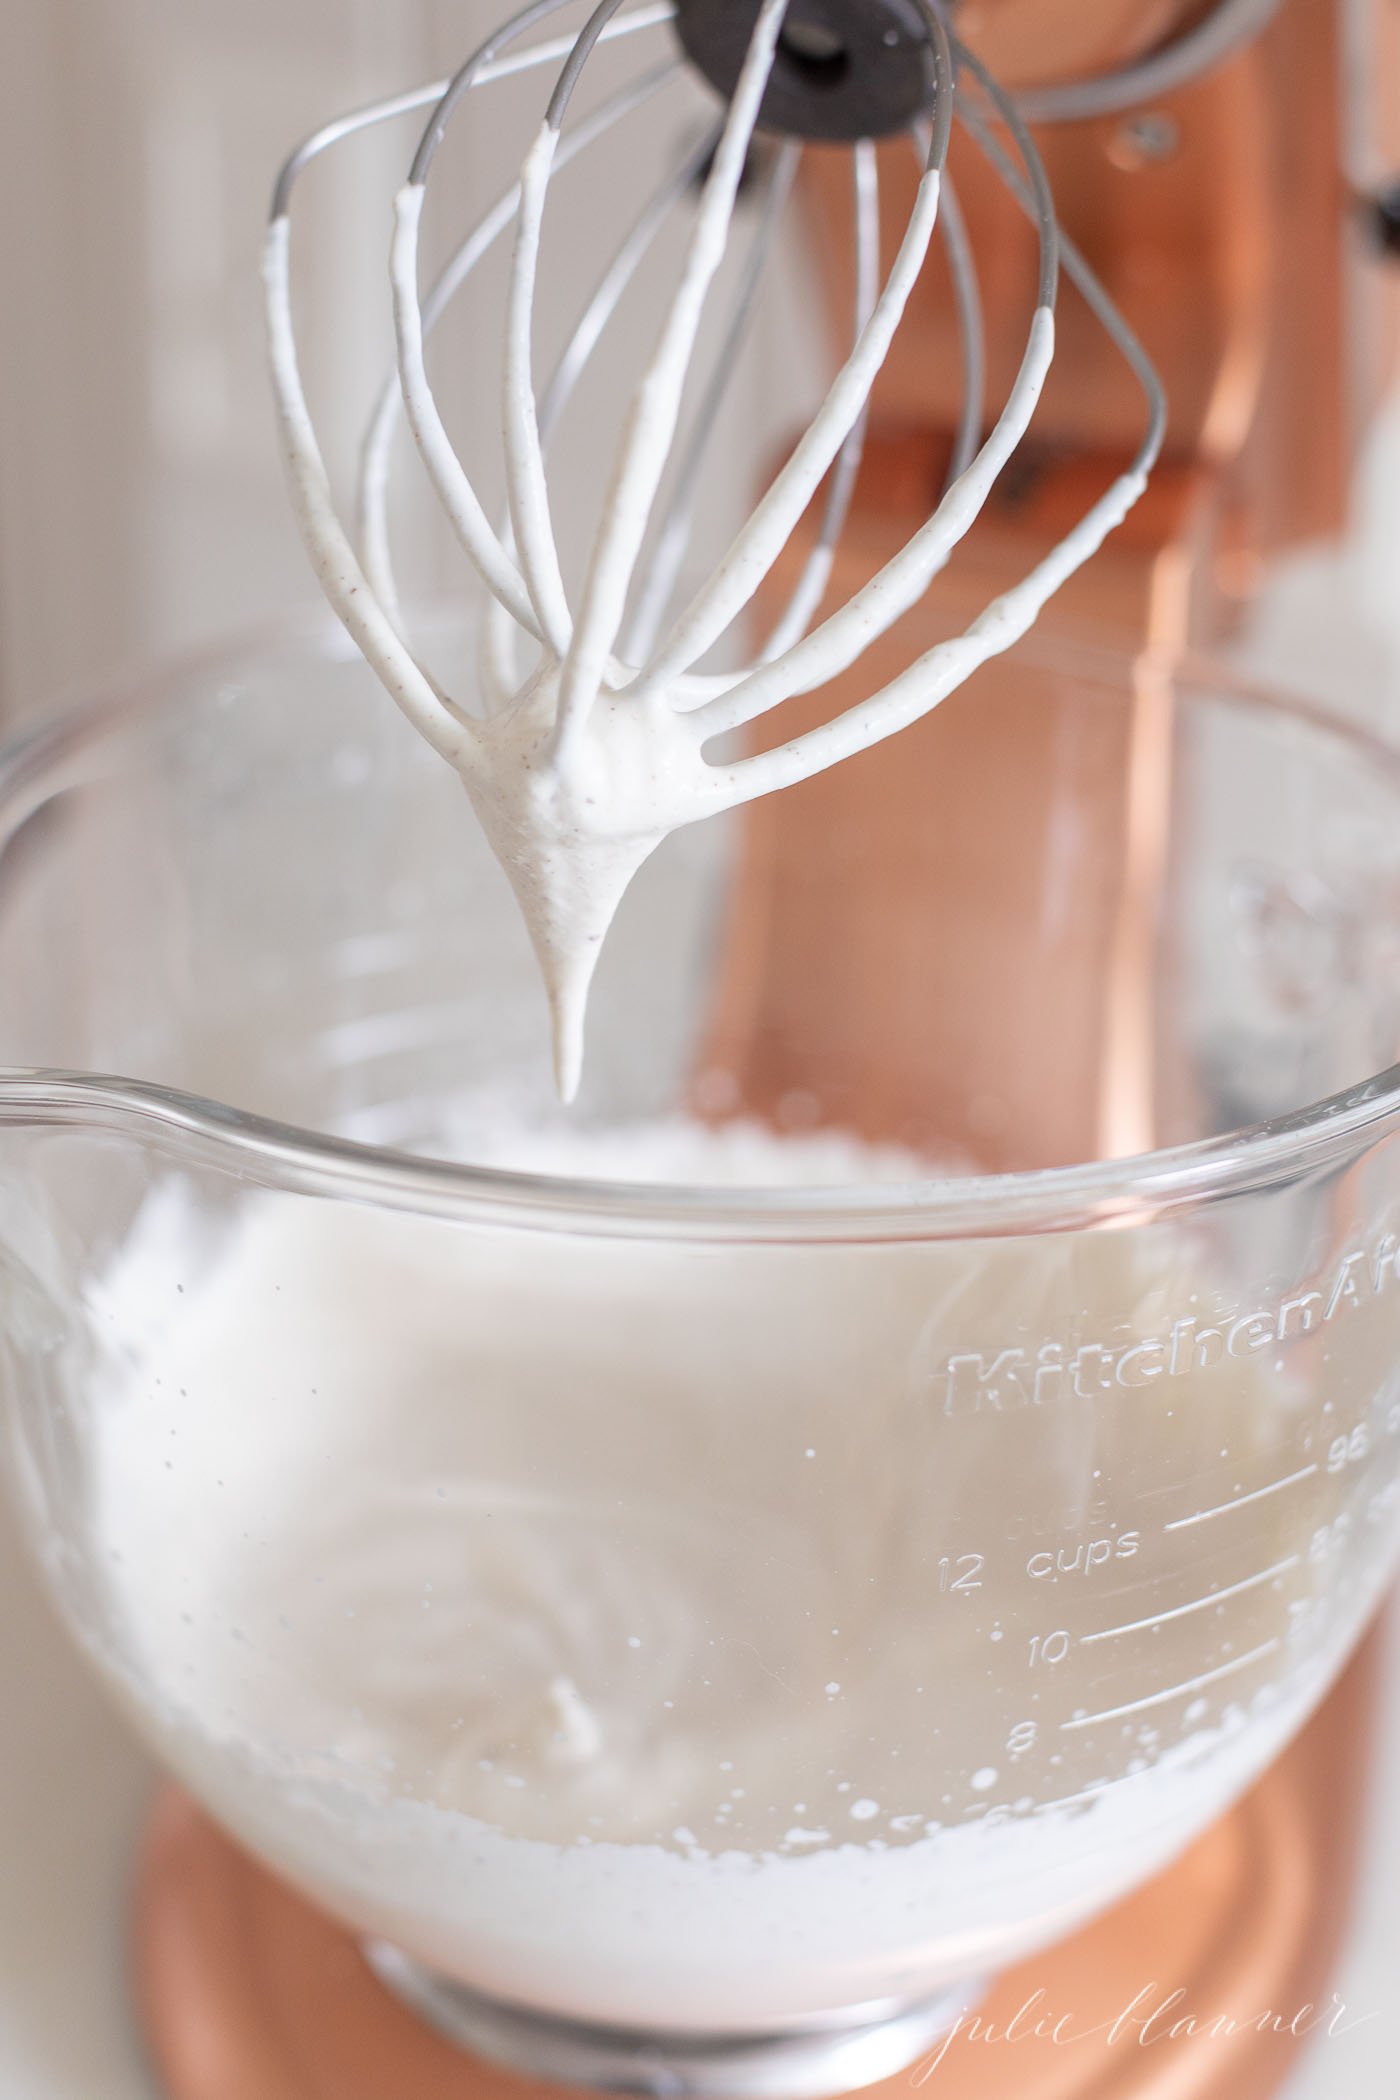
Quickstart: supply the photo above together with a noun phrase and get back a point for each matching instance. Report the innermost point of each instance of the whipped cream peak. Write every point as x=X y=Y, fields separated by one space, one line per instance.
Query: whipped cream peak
x=572 y=818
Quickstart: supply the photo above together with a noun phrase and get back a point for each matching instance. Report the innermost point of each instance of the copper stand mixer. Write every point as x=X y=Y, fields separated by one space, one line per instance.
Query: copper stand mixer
x=1195 y=152
x=1199 y=164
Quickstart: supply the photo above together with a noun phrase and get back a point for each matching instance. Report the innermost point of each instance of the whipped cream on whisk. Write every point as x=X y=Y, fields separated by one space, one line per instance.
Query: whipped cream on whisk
x=578 y=769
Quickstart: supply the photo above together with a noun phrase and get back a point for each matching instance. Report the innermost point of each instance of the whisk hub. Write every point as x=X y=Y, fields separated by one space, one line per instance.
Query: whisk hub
x=843 y=69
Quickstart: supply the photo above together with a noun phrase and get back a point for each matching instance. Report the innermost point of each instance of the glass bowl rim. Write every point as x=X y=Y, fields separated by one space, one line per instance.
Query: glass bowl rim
x=39 y=761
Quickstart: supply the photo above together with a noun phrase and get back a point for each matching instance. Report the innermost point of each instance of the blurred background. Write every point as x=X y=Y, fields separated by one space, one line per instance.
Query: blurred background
x=141 y=497
x=142 y=509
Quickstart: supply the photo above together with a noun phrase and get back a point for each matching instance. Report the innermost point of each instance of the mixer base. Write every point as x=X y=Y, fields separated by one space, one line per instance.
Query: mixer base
x=250 y=1994
x=840 y=2055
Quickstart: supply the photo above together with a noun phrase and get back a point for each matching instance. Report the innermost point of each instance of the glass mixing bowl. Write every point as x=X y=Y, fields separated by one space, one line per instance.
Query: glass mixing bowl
x=730 y=1618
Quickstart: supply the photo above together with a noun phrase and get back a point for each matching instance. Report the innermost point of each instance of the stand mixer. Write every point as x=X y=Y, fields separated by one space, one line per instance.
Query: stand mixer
x=690 y=1622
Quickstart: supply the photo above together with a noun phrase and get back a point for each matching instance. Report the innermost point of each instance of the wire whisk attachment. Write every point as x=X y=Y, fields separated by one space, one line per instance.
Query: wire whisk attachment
x=591 y=731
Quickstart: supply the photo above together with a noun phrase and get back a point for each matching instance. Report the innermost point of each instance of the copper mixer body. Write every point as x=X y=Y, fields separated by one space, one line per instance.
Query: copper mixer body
x=1220 y=220
x=1221 y=223
x=1028 y=43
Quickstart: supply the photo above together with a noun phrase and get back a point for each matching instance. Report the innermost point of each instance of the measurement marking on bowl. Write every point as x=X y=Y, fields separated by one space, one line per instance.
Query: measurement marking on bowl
x=1192 y=1684
x=1160 y=1618
x=1239 y=1501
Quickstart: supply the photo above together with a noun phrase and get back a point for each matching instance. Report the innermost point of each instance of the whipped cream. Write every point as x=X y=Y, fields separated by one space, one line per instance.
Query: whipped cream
x=624 y=1627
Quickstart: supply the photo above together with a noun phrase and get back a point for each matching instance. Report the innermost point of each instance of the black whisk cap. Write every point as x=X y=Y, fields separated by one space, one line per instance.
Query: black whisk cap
x=844 y=69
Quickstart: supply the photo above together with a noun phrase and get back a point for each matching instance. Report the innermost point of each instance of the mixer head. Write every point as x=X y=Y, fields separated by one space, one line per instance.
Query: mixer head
x=598 y=729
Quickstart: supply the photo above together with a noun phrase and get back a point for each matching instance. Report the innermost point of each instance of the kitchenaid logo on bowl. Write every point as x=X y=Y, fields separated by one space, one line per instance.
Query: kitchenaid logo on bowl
x=1037 y=1374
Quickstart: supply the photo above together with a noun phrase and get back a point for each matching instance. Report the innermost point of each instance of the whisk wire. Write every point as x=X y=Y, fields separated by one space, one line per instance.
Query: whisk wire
x=811 y=585
x=617 y=276
x=760 y=542
x=372 y=619
x=1094 y=294
x=592 y=324
x=376 y=450
x=474 y=532
x=650 y=425
x=673 y=539
x=527 y=490
x=523 y=595
x=840 y=640
x=1003 y=622
x=967 y=299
